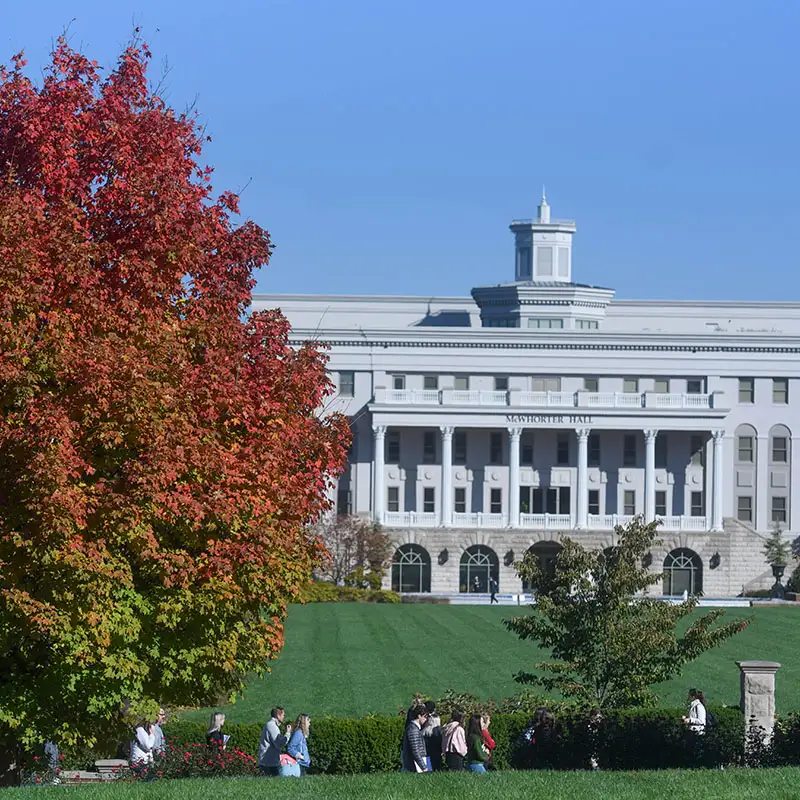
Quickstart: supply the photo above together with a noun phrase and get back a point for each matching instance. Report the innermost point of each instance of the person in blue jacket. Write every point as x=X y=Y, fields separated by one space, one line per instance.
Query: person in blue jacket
x=298 y=744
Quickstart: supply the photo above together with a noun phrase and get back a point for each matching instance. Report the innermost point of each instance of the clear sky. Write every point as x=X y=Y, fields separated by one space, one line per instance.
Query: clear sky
x=387 y=144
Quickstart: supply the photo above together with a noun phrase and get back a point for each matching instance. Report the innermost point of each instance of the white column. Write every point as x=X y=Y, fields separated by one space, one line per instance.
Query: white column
x=513 y=476
x=446 y=501
x=583 y=478
x=650 y=475
x=719 y=470
x=762 y=516
x=378 y=492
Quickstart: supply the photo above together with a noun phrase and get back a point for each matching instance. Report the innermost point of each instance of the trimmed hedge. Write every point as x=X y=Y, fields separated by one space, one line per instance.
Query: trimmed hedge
x=325 y=592
x=626 y=740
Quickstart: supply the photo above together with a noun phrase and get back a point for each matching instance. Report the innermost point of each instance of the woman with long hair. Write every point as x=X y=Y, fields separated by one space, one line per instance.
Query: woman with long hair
x=214 y=735
x=298 y=744
x=454 y=742
x=477 y=755
x=696 y=722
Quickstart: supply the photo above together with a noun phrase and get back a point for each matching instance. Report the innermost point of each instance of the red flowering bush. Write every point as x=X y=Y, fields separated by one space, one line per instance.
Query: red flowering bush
x=198 y=761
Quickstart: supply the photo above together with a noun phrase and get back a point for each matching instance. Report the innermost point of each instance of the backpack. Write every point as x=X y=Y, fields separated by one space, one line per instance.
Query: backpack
x=711 y=720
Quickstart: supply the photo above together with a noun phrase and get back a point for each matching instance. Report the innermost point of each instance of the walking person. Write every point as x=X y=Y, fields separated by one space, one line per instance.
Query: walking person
x=696 y=722
x=432 y=734
x=413 y=752
x=215 y=738
x=477 y=754
x=159 y=745
x=488 y=743
x=298 y=744
x=476 y=585
x=272 y=743
x=143 y=745
x=493 y=587
x=454 y=742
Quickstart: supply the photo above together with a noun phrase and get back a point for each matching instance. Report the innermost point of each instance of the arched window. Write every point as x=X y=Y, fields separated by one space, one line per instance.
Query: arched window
x=411 y=569
x=478 y=564
x=547 y=553
x=683 y=572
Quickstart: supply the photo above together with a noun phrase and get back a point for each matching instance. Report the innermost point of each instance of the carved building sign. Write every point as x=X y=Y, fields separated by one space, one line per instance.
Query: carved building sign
x=549 y=419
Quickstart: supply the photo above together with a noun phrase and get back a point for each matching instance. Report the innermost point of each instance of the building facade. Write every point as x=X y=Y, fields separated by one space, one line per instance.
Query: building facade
x=488 y=425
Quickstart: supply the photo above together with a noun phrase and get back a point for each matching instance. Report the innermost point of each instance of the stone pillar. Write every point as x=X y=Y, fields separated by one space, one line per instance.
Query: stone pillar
x=719 y=471
x=650 y=475
x=757 y=682
x=446 y=503
x=513 y=476
x=582 y=505
x=378 y=492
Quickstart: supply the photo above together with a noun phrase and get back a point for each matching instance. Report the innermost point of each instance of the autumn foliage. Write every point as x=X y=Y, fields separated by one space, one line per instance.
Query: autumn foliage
x=161 y=454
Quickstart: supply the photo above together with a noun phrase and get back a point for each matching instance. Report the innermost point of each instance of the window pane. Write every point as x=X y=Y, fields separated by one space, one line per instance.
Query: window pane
x=590 y=384
x=694 y=386
x=393 y=498
x=344 y=502
x=661 y=385
x=744 y=509
x=629 y=450
x=562 y=450
x=630 y=385
x=745 y=449
x=495 y=448
x=779 y=509
x=697 y=451
x=347 y=383
x=429 y=500
x=526 y=449
x=746 y=390
x=661 y=504
x=525 y=499
x=697 y=509
x=398 y=381
x=496 y=501
x=629 y=503
x=461 y=383
x=501 y=384
x=429 y=447
x=393 y=447
x=780 y=449
x=430 y=382
x=461 y=500
x=780 y=390
x=594 y=450
x=460 y=447
x=594 y=501
x=661 y=451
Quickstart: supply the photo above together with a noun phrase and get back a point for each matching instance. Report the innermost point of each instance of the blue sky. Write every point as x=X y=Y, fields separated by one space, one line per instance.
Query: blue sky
x=387 y=144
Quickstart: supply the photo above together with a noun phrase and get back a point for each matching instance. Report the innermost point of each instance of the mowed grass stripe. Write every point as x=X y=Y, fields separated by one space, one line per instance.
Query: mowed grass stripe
x=350 y=659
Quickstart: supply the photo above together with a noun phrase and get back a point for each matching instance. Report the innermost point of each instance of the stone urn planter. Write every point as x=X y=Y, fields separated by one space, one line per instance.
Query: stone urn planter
x=778 y=589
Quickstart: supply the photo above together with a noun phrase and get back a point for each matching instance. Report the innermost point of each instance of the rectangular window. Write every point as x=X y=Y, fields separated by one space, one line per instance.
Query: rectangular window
x=694 y=386
x=591 y=385
x=347 y=384
x=537 y=501
x=594 y=450
x=429 y=500
x=778 y=512
x=393 y=447
x=661 y=451
x=526 y=449
x=393 y=498
x=744 y=508
x=544 y=261
x=629 y=503
x=542 y=384
x=545 y=324
x=747 y=390
x=594 y=501
x=562 y=450
x=460 y=447
x=661 y=504
x=496 y=501
x=563 y=262
x=744 y=449
x=780 y=450
x=460 y=500
x=697 y=451
x=697 y=505
x=461 y=383
x=430 y=382
x=629 y=450
x=661 y=385
x=780 y=390
x=525 y=497
x=344 y=502
x=495 y=447
x=587 y=324
x=501 y=383
x=398 y=382
x=630 y=385
x=429 y=447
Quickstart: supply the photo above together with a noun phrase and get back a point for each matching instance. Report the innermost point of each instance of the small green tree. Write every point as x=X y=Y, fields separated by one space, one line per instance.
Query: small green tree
x=609 y=642
x=776 y=549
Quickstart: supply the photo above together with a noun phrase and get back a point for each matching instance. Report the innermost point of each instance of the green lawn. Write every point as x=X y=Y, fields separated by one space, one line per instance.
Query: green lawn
x=352 y=659
x=709 y=785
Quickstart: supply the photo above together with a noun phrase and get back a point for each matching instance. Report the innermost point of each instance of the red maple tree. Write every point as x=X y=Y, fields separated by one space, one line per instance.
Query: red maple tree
x=161 y=454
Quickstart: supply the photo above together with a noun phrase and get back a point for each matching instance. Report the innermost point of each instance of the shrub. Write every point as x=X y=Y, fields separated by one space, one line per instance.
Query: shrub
x=324 y=592
x=793 y=584
x=197 y=760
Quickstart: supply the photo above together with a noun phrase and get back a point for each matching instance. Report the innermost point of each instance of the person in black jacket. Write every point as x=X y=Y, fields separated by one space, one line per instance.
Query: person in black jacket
x=432 y=734
x=413 y=754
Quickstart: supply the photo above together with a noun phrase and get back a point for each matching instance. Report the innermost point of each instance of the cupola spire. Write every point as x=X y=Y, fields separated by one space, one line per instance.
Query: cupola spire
x=544 y=208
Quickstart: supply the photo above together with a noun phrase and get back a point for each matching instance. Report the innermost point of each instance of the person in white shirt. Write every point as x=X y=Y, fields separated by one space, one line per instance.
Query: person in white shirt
x=696 y=722
x=159 y=745
x=143 y=745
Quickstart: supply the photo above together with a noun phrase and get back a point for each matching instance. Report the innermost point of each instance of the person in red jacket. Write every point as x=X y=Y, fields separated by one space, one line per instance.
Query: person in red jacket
x=488 y=742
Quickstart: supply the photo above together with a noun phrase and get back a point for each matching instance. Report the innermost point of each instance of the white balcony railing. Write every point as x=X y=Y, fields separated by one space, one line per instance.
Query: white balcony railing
x=549 y=522
x=520 y=399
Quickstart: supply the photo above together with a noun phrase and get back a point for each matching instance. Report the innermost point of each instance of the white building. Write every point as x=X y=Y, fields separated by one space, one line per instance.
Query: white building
x=487 y=425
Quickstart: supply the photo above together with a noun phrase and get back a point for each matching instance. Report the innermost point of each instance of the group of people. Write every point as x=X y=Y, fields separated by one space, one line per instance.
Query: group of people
x=428 y=746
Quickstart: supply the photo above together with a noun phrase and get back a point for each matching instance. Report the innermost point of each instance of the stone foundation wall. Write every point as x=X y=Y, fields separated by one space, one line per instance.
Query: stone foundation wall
x=741 y=566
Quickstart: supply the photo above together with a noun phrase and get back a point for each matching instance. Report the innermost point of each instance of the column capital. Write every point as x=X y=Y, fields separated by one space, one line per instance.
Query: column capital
x=446 y=431
x=583 y=433
x=650 y=433
x=378 y=431
x=718 y=435
x=514 y=433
